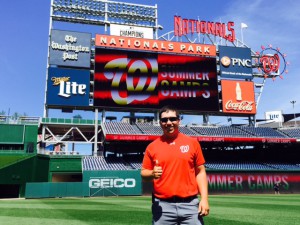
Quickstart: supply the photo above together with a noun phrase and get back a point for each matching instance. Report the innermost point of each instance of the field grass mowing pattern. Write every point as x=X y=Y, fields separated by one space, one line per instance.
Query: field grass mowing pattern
x=225 y=210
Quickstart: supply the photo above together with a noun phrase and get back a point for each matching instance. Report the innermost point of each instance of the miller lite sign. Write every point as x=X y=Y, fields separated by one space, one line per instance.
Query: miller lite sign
x=68 y=87
x=275 y=116
x=238 y=97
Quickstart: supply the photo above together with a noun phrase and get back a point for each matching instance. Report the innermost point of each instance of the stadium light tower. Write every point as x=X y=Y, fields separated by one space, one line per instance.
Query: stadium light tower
x=293 y=103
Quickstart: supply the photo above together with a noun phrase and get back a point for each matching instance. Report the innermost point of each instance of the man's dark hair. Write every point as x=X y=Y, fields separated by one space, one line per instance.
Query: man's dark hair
x=168 y=108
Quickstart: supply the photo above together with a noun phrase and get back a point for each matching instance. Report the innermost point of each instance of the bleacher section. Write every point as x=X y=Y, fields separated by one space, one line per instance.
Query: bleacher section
x=237 y=165
x=262 y=132
x=215 y=131
x=101 y=163
x=187 y=131
x=116 y=163
x=291 y=132
x=150 y=129
x=114 y=127
x=133 y=162
x=284 y=166
x=224 y=131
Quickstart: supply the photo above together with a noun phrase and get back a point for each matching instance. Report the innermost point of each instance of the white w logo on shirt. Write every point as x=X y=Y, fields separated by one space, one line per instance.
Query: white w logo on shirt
x=184 y=148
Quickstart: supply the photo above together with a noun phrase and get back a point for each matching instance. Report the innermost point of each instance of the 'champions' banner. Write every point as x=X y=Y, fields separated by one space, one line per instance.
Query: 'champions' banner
x=150 y=80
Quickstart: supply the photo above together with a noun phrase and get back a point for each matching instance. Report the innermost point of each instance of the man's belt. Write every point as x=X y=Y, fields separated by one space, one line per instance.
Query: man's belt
x=178 y=199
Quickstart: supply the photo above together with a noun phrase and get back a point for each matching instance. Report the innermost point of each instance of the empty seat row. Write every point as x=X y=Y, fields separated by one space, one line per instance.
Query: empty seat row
x=291 y=132
x=100 y=163
x=114 y=127
x=263 y=132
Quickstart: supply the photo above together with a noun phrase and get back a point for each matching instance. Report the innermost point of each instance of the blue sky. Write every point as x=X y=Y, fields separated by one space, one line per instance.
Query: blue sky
x=24 y=42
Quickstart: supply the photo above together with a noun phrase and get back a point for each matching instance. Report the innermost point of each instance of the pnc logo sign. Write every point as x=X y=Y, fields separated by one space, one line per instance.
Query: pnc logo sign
x=237 y=62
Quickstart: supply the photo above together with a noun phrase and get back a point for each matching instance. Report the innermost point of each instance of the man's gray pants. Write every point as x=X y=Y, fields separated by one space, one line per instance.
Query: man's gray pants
x=176 y=213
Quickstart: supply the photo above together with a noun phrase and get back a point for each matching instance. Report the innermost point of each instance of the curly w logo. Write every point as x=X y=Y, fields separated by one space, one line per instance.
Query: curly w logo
x=184 y=148
x=123 y=72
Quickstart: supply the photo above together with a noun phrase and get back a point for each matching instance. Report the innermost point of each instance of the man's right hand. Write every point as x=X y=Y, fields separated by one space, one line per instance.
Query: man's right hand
x=157 y=170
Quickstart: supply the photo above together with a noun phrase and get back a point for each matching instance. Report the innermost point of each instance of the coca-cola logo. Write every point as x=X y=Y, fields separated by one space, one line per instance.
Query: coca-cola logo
x=244 y=106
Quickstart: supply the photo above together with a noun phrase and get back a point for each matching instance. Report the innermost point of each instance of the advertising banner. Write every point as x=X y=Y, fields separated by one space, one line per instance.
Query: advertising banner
x=252 y=182
x=133 y=137
x=69 y=48
x=275 y=116
x=235 y=62
x=109 y=41
x=149 y=81
x=131 y=31
x=238 y=97
x=113 y=182
x=68 y=87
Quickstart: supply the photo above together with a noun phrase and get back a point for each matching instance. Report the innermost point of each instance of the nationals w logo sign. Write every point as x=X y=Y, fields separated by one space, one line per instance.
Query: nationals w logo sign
x=123 y=71
x=271 y=62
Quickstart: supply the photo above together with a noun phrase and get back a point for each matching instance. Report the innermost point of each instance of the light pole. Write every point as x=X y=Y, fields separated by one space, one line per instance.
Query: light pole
x=293 y=103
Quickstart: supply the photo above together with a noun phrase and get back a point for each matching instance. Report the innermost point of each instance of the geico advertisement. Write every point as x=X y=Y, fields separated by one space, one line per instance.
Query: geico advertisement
x=68 y=87
x=252 y=182
x=151 y=80
x=112 y=183
x=106 y=182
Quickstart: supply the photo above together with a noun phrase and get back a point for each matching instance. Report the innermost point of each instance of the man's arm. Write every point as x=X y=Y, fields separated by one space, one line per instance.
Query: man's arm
x=147 y=174
x=203 y=190
x=152 y=174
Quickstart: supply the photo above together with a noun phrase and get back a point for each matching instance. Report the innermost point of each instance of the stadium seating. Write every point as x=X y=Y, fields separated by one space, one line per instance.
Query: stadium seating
x=237 y=165
x=101 y=163
x=250 y=166
x=222 y=131
x=291 y=132
x=262 y=132
x=117 y=163
x=127 y=162
x=150 y=129
x=114 y=127
x=284 y=166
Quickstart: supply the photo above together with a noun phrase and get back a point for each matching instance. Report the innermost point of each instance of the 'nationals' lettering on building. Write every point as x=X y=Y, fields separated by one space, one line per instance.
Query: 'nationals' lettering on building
x=154 y=45
x=191 y=26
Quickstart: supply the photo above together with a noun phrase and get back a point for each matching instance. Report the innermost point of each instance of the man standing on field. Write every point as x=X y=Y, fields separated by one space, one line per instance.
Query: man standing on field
x=175 y=163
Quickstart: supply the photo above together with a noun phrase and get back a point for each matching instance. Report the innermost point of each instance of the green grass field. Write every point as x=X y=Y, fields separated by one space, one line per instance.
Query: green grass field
x=225 y=210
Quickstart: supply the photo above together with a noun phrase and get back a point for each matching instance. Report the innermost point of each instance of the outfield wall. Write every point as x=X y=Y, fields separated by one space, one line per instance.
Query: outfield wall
x=14 y=176
x=252 y=182
x=42 y=176
x=236 y=182
x=95 y=183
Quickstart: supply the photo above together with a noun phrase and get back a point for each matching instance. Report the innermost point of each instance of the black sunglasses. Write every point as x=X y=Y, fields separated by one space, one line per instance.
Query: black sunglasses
x=165 y=119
